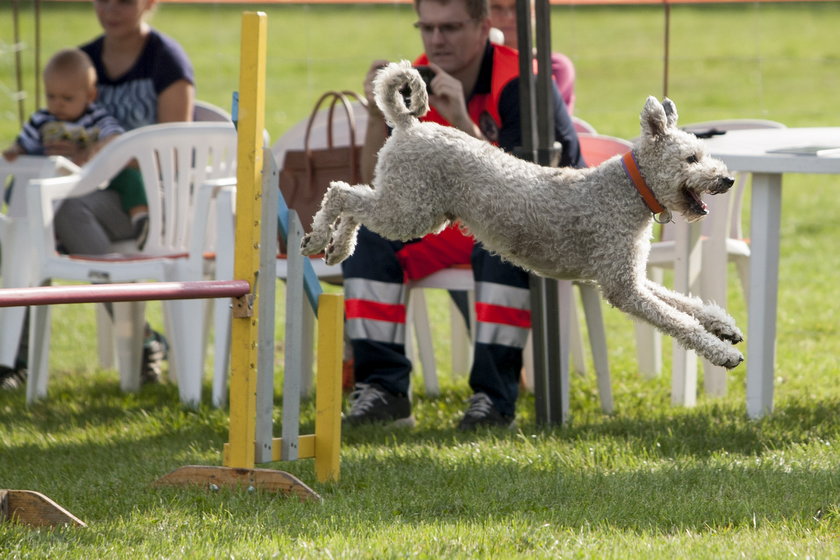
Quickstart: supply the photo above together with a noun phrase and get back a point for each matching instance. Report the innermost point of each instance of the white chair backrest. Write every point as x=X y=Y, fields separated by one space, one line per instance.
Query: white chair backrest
x=207 y=112
x=175 y=159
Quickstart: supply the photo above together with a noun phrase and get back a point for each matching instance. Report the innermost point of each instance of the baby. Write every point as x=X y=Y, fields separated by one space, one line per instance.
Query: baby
x=75 y=126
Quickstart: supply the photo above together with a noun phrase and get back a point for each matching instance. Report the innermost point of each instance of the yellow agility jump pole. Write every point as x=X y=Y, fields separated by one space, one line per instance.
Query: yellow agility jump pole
x=243 y=356
x=239 y=454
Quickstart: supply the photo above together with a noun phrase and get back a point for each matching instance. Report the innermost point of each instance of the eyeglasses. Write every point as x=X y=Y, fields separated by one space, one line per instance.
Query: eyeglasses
x=448 y=28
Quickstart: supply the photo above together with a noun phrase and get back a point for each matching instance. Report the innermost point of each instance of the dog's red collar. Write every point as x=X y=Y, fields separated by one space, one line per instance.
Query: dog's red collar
x=632 y=170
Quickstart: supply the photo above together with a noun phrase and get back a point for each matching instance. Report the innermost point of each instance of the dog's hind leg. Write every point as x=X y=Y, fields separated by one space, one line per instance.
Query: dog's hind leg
x=638 y=300
x=713 y=317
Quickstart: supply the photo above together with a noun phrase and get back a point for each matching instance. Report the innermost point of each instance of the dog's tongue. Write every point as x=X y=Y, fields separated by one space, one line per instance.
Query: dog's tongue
x=698 y=200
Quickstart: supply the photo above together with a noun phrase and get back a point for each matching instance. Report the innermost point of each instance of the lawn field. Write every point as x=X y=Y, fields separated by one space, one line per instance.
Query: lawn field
x=649 y=481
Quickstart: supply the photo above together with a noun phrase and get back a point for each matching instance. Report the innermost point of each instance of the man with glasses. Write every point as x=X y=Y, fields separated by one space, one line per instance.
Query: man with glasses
x=475 y=88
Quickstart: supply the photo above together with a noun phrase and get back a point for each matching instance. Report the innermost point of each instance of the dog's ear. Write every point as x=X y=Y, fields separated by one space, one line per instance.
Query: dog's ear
x=654 y=119
x=670 y=112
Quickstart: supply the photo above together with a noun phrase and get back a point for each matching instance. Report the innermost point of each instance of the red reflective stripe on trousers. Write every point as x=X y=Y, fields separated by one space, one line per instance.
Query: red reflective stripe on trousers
x=366 y=309
x=488 y=313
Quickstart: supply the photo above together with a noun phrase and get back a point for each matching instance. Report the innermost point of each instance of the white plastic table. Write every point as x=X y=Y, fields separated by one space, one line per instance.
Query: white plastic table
x=768 y=154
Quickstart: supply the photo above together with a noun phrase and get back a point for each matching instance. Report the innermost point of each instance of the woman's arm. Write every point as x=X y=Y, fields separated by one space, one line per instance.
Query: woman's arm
x=175 y=103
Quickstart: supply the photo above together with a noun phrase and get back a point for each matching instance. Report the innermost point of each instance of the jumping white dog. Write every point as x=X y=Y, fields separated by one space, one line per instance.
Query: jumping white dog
x=584 y=224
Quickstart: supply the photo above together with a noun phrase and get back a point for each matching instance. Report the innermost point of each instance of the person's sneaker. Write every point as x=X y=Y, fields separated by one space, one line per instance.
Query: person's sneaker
x=482 y=413
x=12 y=378
x=371 y=404
x=155 y=351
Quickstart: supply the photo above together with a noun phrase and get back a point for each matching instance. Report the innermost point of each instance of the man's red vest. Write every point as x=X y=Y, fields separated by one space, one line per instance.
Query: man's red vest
x=505 y=69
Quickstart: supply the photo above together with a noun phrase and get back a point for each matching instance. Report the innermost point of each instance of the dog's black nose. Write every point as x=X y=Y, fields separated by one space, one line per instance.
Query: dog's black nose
x=728 y=181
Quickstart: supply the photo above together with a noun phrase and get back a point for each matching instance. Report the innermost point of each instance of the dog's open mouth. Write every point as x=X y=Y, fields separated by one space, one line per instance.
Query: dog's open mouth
x=695 y=203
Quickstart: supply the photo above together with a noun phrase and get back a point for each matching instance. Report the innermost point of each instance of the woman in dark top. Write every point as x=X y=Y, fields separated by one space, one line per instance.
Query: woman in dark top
x=144 y=77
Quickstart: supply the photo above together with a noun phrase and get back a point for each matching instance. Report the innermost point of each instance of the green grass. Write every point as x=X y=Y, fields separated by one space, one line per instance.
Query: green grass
x=650 y=481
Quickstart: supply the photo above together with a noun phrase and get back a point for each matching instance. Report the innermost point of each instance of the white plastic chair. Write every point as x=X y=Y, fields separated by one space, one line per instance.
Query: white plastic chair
x=176 y=161
x=15 y=247
x=722 y=241
x=202 y=112
x=455 y=278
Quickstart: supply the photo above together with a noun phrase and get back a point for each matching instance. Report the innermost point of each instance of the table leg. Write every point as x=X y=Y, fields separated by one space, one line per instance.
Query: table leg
x=765 y=216
x=686 y=280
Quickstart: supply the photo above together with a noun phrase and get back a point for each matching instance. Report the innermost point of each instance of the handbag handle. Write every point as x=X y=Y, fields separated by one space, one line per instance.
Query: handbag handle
x=334 y=98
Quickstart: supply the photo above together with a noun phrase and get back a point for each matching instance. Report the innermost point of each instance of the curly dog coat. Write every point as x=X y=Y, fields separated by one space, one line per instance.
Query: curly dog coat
x=586 y=224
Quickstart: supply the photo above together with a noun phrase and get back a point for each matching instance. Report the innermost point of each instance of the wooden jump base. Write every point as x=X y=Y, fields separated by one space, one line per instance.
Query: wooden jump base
x=34 y=509
x=259 y=479
x=100 y=293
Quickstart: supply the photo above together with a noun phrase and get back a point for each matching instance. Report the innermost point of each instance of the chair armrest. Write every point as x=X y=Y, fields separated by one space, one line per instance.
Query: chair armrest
x=25 y=168
x=40 y=197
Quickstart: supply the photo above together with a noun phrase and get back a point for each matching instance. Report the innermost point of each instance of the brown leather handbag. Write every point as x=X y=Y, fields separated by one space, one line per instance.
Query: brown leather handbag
x=306 y=173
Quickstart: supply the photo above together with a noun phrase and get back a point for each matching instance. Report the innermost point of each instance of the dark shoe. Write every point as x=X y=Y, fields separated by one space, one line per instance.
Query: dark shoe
x=155 y=351
x=11 y=379
x=371 y=404
x=482 y=413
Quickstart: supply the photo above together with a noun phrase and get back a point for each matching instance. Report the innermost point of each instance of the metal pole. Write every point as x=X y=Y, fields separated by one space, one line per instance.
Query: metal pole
x=18 y=63
x=548 y=155
x=37 y=53
x=537 y=123
x=527 y=99
x=667 y=48
x=134 y=291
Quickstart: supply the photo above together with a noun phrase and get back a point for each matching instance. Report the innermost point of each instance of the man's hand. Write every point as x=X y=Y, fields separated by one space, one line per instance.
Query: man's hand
x=449 y=100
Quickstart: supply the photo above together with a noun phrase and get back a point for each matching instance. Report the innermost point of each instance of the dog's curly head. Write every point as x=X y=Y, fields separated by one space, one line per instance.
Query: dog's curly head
x=675 y=164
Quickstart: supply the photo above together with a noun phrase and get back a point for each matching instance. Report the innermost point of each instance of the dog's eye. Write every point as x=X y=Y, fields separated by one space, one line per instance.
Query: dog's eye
x=692 y=158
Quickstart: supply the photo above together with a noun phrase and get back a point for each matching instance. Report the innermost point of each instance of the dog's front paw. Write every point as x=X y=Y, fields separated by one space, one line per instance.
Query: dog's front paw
x=727 y=332
x=722 y=325
x=311 y=244
x=734 y=336
x=333 y=256
x=729 y=359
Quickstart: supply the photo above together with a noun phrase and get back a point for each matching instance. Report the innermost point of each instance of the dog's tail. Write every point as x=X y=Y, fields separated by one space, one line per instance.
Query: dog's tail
x=388 y=87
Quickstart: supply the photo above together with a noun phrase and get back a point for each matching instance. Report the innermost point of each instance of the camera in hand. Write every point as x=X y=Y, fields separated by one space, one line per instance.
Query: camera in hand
x=427 y=74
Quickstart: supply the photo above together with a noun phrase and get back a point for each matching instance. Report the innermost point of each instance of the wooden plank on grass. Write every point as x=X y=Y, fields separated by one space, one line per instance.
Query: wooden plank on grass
x=260 y=479
x=34 y=509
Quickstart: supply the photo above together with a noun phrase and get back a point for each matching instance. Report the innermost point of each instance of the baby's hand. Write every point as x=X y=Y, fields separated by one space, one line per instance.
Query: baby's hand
x=69 y=149
x=11 y=154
